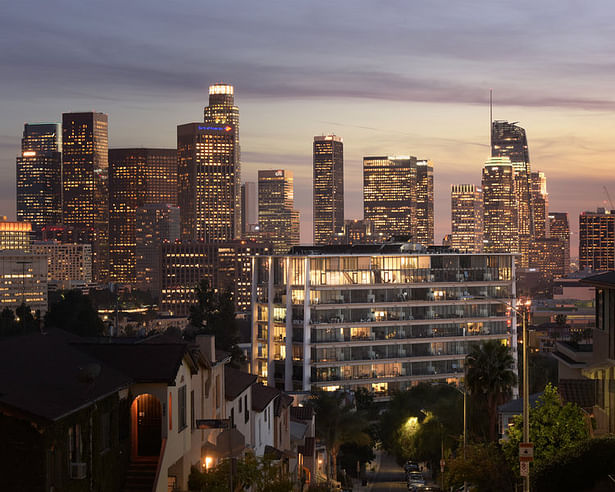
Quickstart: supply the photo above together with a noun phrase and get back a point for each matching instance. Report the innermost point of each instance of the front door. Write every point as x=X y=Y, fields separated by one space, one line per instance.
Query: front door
x=148 y=426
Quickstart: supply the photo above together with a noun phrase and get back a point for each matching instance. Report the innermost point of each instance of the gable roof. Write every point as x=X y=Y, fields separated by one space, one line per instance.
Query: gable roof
x=283 y=401
x=236 y=382
x=262 y=395
x=46 y=377
x=606 y=279
x=301 y=413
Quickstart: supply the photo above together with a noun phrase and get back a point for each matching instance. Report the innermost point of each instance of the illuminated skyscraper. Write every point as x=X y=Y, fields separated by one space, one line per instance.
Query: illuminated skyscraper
x=39 y=176
x=540 y=204
x=209 y=193
x=467 y=218
x=84 y=183
x=136 y=177
x=15 y=235
x=222 y=111
x=509 y=140
x=597 y=240
x=277 y=218
x=389 y=194
x=499 y=207
x=424 y=232
x=560 y=229
x=328 y=182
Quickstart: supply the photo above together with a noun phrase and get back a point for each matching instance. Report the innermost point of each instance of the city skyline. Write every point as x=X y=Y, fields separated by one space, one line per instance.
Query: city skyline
x=376 y=106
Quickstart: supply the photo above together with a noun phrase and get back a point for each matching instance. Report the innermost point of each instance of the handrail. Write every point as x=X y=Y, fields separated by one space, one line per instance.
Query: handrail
x=162 y=448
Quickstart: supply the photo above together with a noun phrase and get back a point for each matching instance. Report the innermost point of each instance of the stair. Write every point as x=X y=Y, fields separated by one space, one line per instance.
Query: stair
x=141 y=474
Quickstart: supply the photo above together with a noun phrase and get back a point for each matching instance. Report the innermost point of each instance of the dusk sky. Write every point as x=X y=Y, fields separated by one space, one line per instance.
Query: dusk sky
x=394 y=77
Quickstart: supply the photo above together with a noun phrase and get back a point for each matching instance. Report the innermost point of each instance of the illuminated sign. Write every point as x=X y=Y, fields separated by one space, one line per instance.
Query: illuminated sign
x=226 y=128
x=29 y=153
x=279 y=173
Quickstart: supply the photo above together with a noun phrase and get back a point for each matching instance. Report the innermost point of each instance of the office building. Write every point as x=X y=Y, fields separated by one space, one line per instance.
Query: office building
x=540 y=204
x=15 y=235
x=137 y=177
x=382 y=318
x=85 y=203
x=548 y=256
x=249 y=207
x=68 y=265
x=208 y=191
x=277 y=218
x=39 y=176
x=359 y=231
x=499 y=207
x=390 y=194
x=597 y=240
x=509 y=140
x=328 y=183
x=23 y=279
x=424 y=229
x=156 y=223
x=560 y=229
x=222 y=111
x=466 y=218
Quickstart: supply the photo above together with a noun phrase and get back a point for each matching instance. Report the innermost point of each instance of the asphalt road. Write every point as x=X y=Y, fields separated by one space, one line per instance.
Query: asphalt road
x=390 y=476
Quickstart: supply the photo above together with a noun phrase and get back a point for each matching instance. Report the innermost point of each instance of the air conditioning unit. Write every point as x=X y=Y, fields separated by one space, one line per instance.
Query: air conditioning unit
x=78 y=471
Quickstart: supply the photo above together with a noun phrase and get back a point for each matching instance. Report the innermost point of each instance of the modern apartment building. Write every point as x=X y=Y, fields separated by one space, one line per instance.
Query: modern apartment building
x=328 y=183
x=597 y=240
x=39 y=175
x=466 y=218
x=379 y=317
x=23 y=279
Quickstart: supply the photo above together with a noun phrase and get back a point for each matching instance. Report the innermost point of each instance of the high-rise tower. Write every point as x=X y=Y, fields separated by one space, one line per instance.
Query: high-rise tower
x=467 y=218
x=424 y=232
x=389 y=194
x=277 y=218
x=39 y=176
x=137 y=177
x=540 y=204
x=560 y=229
x=328 y=199
x=84 y=183
x=597 y=240
x=499 y=207
x=209 y=196
x=221 y=111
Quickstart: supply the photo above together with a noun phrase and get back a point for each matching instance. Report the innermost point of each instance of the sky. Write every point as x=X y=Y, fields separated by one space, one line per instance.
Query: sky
x=390 y=77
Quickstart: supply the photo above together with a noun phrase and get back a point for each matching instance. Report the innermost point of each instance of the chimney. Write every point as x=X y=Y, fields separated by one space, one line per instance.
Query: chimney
x=207 y=346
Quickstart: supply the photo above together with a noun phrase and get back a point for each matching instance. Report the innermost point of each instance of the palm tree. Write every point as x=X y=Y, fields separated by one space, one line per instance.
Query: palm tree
x=490 y=377
x=337 y=423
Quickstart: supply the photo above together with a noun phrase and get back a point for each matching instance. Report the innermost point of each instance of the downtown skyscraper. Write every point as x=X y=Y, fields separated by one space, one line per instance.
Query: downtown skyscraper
x=85 y=194
x=137 y=177
x=499 y=207
x=39 y=176
x=277 y=218
x=424 y=228
x=559 y=228
x=208 y=171
x=328 y=193
x=389 y=194
x=467 y=218
x=597 y=240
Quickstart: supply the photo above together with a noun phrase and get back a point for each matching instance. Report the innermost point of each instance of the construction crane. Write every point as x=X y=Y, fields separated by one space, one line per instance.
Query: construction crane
x=609 y=197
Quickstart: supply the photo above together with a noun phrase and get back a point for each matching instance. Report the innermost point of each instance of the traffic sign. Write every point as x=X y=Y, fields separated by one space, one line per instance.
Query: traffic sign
x=526 y=451
x=524 y=469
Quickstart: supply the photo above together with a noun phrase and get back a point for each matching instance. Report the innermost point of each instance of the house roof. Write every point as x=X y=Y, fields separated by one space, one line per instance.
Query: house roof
x=143 y=362
x=516 y=406
x=579 y=391
x=262 y=395
x=606 y=279
x=236 y=382
x=47 y=377
x=283 y=401
x=301 y=413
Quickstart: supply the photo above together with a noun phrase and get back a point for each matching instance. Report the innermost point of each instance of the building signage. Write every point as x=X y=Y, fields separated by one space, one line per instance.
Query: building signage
x=225 y=128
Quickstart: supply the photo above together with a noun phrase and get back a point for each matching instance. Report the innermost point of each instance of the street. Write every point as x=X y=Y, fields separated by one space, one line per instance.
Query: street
x=389 y=476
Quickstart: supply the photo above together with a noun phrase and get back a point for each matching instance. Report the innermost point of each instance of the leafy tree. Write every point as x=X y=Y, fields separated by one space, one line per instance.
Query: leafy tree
x=75 y=313
x=484 y=466
x=490 y=379
x=214 y=314
x=19 y=322
x=337 y=423
x=553 y=428
x=351 y=454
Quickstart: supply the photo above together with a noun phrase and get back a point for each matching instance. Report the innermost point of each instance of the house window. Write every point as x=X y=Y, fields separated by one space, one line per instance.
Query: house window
x=246 y=414
x=192 y=419
x=217 y=391
x=240 y=402
x=74 y=444
x=181 y=408
x=105 y=431
x=265 y=412
x=232 y=417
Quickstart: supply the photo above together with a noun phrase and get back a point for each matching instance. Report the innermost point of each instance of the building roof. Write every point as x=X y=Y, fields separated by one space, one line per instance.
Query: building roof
x=579 y=391
x=606 y=279
x=50 y=377
x=236 y=382
x=516 y=406
x=283 y=401
x=143 y=362
x=301 y=413
x=395 y=245
x=262 y=395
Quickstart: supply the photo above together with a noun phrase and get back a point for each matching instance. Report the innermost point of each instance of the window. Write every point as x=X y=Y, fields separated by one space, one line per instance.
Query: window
x=105 y=431
x=240 y=402
x=247 y=412
x=192 y=415
x=181 y=408
x=218 y=391
x=232 y=417
x=74 y=443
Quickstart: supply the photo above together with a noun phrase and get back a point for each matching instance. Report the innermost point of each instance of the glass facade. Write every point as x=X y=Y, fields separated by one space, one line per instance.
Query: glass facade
x=379 y=321
x=467 y=218
x=328 y=182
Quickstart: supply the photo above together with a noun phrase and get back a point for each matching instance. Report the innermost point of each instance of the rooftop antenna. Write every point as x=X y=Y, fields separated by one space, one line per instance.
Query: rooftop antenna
x=490 y=120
